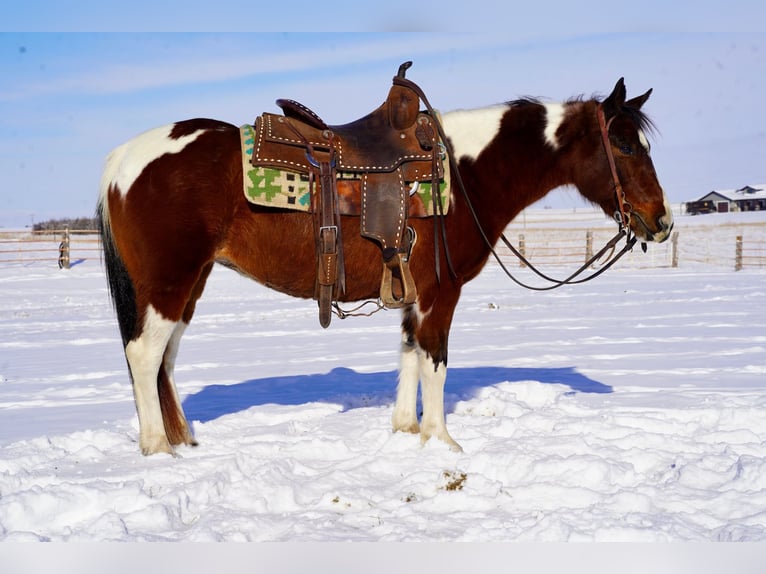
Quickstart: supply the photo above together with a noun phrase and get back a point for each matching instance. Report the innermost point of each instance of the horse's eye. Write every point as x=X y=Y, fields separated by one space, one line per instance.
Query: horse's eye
x=626 y=149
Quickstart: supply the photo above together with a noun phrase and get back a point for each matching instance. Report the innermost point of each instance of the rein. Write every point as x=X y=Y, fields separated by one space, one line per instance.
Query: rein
x=622 y=216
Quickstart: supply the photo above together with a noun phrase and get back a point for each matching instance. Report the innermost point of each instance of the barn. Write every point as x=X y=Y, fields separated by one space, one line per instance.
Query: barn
x=747 y=198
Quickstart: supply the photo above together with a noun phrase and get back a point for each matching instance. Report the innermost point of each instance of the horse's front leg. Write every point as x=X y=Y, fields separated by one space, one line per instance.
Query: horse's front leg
x=405 y=417
x=424 y=358
x=433 y=375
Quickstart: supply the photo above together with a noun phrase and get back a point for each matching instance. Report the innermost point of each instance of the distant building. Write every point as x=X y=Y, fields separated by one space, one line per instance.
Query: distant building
x=748 y=198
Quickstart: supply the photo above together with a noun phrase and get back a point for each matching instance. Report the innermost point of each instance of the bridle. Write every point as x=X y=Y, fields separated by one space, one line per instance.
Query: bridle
x=624 y=208
x=622 y=217
x=622 y=214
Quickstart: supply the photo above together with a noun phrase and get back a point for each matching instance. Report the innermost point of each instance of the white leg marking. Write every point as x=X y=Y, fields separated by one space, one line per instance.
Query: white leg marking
x=169 y=364
x=433 y=423
x=405 y=417
x=169 y=360
x=145 y=355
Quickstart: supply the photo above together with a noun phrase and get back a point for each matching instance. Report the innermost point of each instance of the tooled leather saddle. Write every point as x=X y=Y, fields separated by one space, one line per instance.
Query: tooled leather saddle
x=381 y=156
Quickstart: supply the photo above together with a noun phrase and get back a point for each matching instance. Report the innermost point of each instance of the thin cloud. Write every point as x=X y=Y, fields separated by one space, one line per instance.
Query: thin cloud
x=130 y=78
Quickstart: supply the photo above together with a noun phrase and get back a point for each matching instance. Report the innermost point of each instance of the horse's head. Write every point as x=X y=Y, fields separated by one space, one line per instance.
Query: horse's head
x=620 y=175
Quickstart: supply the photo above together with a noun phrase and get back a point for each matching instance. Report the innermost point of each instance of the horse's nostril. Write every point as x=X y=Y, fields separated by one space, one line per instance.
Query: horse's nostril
x=666 y=221
x=665 y=228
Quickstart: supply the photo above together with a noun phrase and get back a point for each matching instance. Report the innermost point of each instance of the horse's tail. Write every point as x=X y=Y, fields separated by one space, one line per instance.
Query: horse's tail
x=120 y=284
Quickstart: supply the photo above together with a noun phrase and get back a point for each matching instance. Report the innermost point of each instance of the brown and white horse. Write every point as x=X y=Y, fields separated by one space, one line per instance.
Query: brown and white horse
x=171 y=205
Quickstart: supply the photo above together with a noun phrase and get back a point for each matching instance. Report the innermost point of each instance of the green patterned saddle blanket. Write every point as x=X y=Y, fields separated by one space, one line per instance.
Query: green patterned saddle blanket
x=286 y=189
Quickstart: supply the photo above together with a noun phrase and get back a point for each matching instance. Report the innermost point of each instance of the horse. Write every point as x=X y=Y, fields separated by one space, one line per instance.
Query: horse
x=171 y=206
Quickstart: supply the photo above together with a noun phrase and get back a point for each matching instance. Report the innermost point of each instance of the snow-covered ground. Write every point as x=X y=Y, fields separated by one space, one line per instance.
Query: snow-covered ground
x=631 y=408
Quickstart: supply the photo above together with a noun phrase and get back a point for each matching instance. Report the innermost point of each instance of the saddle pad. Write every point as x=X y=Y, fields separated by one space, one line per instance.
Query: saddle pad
x=285 y=189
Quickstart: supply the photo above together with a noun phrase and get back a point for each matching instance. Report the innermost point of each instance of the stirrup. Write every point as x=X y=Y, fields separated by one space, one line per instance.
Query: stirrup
x=405 y=282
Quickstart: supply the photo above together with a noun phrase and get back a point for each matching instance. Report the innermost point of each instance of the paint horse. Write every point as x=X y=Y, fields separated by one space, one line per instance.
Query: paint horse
x=171 y=205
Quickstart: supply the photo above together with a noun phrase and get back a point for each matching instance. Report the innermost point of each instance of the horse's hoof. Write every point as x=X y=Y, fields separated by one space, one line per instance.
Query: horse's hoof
x=413 y=428
x=445 y=438
x=189 y=439
x=159 y=445
x=455 y=447
x=405 y=423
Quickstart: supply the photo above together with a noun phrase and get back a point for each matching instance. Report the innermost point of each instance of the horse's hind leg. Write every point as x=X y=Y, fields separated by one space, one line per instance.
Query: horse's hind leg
x=176 y=425
x=145 y=354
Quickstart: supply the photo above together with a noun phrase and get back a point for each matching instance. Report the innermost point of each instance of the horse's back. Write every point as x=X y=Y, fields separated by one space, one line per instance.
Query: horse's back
x=126 y=163
x=167 y=193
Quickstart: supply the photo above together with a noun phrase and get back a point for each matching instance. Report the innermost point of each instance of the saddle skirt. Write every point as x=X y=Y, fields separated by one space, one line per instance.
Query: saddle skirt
x=287 y=187
x=384 y=167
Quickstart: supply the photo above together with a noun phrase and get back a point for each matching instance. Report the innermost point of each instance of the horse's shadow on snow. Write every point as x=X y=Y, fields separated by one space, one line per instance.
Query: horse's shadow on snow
x=352 y=389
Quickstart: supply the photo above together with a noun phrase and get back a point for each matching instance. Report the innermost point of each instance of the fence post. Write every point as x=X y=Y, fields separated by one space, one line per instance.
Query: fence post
x=64 y=251
x=738 y=254
x=588 y=245
x=522 y=249
x=674 y=249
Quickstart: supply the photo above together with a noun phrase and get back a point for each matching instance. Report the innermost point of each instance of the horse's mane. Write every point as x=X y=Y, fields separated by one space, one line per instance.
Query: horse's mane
x=638 y=117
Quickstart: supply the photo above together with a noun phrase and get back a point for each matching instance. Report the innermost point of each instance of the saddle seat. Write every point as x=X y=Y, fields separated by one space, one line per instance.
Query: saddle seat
x=377 y=142
x=371 y=144
x=383 y=153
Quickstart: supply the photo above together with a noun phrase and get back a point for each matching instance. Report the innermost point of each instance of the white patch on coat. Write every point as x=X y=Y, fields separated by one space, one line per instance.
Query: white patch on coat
x=644 y=141
x=126 y=162
x=554 y=115
x=470 y=131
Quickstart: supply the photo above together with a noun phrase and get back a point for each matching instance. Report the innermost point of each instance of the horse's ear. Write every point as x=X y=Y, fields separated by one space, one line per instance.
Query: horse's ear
x=639 y=101
x=615 y=100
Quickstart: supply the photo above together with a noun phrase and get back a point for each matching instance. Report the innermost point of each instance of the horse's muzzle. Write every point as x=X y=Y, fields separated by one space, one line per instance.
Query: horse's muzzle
x=660 y=231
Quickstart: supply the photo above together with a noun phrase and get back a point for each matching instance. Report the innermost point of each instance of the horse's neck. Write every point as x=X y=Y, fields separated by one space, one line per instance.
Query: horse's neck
x=504 y=160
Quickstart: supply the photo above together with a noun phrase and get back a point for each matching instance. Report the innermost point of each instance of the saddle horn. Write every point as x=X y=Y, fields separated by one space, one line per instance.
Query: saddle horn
x=403 y=69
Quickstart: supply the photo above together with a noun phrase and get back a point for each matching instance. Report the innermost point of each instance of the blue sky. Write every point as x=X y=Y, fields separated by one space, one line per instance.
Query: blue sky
x=68 y=95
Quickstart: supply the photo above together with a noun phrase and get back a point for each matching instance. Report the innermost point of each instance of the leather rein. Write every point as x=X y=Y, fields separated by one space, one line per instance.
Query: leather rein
x=621 y=215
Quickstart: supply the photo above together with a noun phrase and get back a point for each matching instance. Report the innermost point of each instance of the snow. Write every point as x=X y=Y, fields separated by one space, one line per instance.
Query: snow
x=628 y=409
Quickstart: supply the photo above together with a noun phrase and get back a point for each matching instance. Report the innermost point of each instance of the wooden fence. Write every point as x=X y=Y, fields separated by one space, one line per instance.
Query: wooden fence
x=58 y=247
x=750 y=254
x=569 y=247
x=734 y=247
x=573 y=247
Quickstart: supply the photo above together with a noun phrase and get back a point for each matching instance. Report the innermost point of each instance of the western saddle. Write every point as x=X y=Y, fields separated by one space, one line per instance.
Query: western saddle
x=380 y=156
